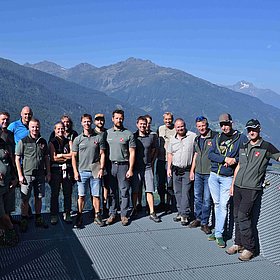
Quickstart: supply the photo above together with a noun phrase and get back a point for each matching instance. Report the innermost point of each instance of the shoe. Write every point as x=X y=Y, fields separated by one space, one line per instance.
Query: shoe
x=212 y=237
x=54 y=219
x=124 y=221
x=67 y=218
x=111 y=219
x=177 y=218
x=139 y=207
x=23 y=225
x=98 y=220
x=79 y=221
x=184 y=220
x=194 y=224
x=220 y=241
x=160 y=207
x=11 y=238
x=39 y=222
x=167 y=209
x=206 y=229
x=246 y=255
x=154 y=217
x=133 y=213
x=234 y=249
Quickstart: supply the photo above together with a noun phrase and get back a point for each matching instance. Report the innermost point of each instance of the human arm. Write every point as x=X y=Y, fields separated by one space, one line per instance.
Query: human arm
x=21 y=178
x=48 y=168
x=129 y=172
x=102 y=163
x=169 y=164
x=193 y=167
x=231 y=190
x=74 y=165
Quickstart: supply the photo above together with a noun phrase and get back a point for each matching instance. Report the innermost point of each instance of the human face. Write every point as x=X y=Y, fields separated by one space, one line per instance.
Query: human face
x=26 y=115
x=59 y=130
x=180 y=128
x=142 y=126
x=99 y=122
x=34 y=129
x=117 y=120
x=168 y=120
x=202 y=127
x=226 y=127
x=254 y=133
x=66 y=123
x=149 y=122
x=4 y=121
x=86 y=123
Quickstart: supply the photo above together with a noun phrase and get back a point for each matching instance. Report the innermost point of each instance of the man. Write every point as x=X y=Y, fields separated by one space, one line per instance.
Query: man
x=200 y=173
x=247 y=187
x=165 y=132
x=32 y=159
x=224 y=158
x=20 y=127
x=180 y=155
x=88 y=157
x=146 y=149
x=122 y=156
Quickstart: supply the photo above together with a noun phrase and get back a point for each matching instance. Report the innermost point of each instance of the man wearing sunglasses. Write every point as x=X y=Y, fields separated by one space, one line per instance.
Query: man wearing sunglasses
x=224 y=158
x=247 y=188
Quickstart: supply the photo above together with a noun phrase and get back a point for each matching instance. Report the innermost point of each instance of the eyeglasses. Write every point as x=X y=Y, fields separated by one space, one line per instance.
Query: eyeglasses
x=200 y=119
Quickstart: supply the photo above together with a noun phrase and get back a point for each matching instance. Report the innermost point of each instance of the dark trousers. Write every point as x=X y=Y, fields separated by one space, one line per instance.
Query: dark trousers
x=119 y=182
x=56 y=181
x=246 y=202
x=182 y=186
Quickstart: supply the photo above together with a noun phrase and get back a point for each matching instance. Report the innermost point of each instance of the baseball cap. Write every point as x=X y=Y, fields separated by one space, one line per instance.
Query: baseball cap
x=253 y=123
x=99 y=115
x=225 y=117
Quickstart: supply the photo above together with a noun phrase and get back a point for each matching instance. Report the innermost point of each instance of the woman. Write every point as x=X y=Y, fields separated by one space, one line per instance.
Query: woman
x=61 y=173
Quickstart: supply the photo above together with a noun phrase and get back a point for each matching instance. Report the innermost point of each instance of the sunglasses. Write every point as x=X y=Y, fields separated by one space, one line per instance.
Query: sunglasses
x=225 y=124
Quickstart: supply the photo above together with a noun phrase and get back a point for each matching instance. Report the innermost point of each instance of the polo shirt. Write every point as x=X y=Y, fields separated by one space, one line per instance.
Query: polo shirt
x=182 y=150
x=164 y=135
x=253 y=161
x=119 y=143
x=88 y=149
x=19 y=129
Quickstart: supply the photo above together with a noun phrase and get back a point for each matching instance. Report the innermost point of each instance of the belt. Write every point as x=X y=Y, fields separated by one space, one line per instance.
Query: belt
x=120 y=162
x=60 y=165
x=187 y=168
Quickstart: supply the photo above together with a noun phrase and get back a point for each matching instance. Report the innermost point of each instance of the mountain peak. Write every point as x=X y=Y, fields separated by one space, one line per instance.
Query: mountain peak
x=83 y=67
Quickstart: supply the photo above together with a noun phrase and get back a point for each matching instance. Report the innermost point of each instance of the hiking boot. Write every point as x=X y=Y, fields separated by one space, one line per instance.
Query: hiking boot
x=23 y=225
x=111 y=219
x=79 y=221
x=98 y=220
x=177 y=218
x=206 y=229
x=39 y=222
x=246 y=255
x=154 y=217
x=220 y=241
x=184 y=220
x=67 y=218
x=212 y=237
x=54 y=219
x=234 y=249
x=124 y=221
x=194 y=224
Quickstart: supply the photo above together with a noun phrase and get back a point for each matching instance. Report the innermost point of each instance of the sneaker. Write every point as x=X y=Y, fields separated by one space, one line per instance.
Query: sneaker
x=54 y=219
x=39 y=222
x=98 y=220
x=79 y=221
x=220 y=241
x=212 y=237
x=234 y=249
x=206 y=229
x=154 y=217
x=246 y=255
x=124 y=221
x=194 y=224
x=67 y=218
x=177 y=218
x=23 y=225
x=111 y=219
x=184 y=220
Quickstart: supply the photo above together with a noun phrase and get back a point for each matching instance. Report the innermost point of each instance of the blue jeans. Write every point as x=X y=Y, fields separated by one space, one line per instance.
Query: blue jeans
x=202 y=198
x=219 y=188
x=94 y=184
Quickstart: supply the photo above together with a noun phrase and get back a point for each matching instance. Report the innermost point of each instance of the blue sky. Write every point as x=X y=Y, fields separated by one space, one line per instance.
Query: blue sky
x=220 y=41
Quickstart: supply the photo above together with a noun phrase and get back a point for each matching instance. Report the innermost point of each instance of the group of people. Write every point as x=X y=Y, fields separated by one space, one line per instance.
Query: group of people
x=116 y=165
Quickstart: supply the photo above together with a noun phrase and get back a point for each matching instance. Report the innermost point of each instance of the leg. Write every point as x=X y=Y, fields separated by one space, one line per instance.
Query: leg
x=113 y=190
x=177 y=185
x=55 y=187
x=185 y=200
x=124 y=186
x=206 y=205
x=198 y=195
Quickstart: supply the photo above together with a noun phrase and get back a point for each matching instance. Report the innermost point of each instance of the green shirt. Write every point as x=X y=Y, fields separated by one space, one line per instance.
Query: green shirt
x=119 y=143
x=88 y=149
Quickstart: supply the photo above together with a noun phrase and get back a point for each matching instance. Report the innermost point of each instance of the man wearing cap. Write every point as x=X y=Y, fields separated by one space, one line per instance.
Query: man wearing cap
x=200 y=172
x=122 y=156
x=180 y=156
x=223 y=154
x=247 y=188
